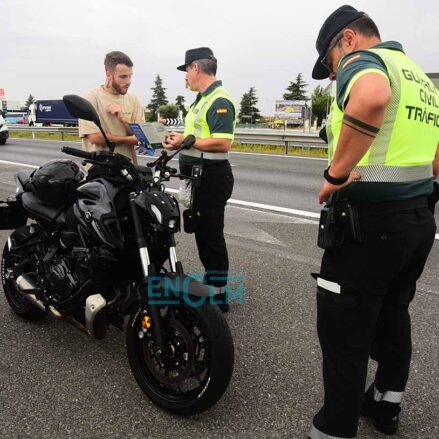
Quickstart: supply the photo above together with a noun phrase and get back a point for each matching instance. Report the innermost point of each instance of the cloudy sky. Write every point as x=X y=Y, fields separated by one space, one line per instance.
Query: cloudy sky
x=54 y=47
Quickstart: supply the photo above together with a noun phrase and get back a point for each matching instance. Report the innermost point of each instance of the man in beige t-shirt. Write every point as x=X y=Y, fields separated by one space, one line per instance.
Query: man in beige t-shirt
x=116 y=108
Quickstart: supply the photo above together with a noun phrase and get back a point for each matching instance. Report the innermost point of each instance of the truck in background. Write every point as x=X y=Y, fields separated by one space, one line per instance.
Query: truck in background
x=51 y=112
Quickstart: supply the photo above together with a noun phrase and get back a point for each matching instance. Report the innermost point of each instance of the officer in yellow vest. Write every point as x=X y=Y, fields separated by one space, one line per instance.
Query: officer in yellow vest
x=211 y=119
x=376 y=229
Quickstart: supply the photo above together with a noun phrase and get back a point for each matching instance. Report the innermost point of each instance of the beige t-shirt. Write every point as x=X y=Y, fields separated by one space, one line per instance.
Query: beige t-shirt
x=100 y=99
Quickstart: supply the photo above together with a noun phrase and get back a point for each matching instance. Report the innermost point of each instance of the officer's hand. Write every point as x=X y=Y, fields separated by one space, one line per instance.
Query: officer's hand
x=173 y=141
x=327 y=188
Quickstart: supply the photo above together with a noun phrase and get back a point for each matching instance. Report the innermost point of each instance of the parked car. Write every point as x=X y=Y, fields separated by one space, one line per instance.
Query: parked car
x=4 y=131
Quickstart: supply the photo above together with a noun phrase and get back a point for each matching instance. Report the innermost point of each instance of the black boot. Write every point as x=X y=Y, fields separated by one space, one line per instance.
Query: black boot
x=223 y=303
x=221 y=299
x=383 y=414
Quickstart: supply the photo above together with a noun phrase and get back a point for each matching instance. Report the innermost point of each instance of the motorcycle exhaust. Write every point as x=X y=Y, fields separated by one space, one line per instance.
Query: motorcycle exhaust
x=95 y=313
x=27 y=287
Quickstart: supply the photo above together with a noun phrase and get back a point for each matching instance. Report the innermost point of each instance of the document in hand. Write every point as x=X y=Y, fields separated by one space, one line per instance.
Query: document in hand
x=150 y=133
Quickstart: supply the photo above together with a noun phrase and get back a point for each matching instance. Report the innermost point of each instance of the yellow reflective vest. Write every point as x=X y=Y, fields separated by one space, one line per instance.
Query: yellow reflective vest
x=196 y=123
x=405 y=146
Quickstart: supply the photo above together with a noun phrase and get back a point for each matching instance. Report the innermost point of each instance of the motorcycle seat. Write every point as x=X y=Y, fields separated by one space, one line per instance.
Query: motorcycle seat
x=35 y=207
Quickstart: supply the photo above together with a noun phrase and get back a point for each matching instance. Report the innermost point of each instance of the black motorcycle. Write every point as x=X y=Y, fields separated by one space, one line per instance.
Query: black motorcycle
x=99 y=248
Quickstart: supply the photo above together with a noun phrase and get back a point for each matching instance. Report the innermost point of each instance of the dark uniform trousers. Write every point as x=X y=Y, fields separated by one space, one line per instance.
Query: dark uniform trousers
x=210 y=200
x=370 y=316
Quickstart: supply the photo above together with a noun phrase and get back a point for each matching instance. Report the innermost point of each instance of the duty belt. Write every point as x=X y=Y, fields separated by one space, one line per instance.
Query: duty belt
x=392 y=206
x=194 y=152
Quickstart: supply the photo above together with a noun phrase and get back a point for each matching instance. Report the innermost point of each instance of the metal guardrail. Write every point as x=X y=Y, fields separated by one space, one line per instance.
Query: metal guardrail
x=53 y=130
x=286 y=139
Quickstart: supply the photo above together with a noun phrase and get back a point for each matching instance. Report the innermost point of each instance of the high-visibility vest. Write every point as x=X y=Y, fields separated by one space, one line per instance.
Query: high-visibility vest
x=405 y=146
x=196 y=124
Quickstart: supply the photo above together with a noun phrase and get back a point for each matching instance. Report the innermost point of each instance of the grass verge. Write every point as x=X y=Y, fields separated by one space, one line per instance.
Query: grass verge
x=43 y=136
x=280 y=150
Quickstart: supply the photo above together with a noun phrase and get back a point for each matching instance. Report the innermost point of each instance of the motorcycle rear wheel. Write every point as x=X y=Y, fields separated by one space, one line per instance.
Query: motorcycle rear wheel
x=17 y=301
x=199 y=365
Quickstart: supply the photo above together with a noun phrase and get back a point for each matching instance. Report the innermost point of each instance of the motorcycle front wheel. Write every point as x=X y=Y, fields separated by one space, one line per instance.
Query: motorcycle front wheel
x=194 y=372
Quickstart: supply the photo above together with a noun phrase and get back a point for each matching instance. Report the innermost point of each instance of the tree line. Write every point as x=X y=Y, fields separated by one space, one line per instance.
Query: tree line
x=248 y=110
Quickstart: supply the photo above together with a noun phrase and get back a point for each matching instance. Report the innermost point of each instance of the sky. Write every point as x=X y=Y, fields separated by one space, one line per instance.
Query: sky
x=54 y=47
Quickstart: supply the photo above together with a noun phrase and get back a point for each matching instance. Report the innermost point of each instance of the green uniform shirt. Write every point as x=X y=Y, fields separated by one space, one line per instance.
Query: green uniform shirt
x=220 y=118
x=356 y=62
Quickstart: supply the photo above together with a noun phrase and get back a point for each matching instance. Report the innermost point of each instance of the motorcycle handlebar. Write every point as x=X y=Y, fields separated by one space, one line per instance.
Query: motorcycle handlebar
x=187 y=143
x=78 y=153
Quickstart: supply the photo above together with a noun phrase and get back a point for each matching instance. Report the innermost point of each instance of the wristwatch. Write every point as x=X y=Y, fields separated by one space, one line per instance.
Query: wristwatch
x=333 y=180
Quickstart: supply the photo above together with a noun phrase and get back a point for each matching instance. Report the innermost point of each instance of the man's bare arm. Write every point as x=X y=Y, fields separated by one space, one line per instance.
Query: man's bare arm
x=98 y=139
x=116 y=110
x=213 y=144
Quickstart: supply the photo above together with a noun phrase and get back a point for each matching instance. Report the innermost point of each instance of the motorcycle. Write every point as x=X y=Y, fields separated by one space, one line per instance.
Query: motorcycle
x=100 y=250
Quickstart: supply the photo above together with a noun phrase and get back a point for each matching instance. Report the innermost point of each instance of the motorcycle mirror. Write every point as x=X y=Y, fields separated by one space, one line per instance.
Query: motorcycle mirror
x=323 y=134
x=81 y=108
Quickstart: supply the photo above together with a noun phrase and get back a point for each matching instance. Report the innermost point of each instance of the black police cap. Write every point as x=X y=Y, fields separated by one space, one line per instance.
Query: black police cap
x=337 y=21
x=196 y=54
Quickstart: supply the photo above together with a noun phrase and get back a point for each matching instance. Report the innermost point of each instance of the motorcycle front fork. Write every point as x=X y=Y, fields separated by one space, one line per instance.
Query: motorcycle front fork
x=150 y=270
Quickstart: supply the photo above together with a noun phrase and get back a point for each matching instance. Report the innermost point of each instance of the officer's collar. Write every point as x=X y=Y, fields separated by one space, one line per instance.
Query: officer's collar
x=211 y=88
x=393 y=45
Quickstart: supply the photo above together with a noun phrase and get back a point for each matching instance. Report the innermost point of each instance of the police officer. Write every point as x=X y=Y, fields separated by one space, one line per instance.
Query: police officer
x=383 y=135
x=211 y=119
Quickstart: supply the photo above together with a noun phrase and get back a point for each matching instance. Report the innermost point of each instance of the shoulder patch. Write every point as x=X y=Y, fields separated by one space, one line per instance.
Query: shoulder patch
x=354 y=58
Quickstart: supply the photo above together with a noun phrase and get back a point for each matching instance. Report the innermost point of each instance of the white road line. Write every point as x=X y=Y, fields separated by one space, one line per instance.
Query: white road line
x=151 y=157
x=265 y=207
x=232 y=201
x=18 y=164
x=274 y=208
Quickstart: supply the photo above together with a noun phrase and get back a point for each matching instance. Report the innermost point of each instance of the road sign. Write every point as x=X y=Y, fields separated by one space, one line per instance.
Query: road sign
x=2 y=92
x=173 y=122
x=290 y=110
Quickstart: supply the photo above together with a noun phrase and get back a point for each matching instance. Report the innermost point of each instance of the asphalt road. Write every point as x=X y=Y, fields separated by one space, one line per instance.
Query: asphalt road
x=281 y=180
x=57 y=382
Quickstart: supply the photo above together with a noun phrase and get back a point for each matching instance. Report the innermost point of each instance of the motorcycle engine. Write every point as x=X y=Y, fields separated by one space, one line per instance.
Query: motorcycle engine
x=62 y=282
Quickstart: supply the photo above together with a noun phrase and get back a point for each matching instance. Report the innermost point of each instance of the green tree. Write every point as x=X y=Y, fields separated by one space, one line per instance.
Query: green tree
x=30 y=100
x=179 y=101
x=296 y=90
x=158 y=97
x=248 y=110
x=169 y=111
x=320 y=102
